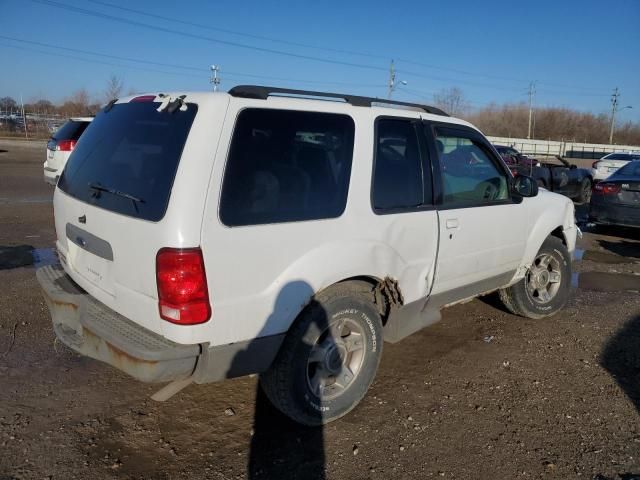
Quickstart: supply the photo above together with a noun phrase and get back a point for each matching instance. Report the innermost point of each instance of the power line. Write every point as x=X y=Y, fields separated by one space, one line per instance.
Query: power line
x=19 y=47
x=316 y=47
x=270 y=50
x=231 y=74
x=203 y=37
x=105 y=55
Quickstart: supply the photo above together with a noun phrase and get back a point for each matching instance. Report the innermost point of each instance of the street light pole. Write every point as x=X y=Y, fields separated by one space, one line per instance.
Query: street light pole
x=392 y=80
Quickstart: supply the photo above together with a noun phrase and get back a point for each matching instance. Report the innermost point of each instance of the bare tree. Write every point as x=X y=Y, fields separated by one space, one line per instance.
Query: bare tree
x=452 y=101
x=115 y=87
x=8 y=103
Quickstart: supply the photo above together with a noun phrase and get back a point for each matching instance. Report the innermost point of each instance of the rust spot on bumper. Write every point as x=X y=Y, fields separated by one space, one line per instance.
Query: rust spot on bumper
x=58 y=303
x=106 y=352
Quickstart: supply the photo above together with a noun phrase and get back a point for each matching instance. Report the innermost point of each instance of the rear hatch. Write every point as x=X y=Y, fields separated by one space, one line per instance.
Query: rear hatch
x=63 y=141
x=112 y=200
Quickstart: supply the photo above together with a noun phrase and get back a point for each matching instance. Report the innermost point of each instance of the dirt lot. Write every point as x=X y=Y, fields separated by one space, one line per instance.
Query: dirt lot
x=481 y=395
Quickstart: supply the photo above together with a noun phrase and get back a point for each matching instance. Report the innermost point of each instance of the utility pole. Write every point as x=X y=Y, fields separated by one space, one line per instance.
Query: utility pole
x=392 y=79
x=532 y=92
x=614 y=109
x=215 y=79
x=24 y=118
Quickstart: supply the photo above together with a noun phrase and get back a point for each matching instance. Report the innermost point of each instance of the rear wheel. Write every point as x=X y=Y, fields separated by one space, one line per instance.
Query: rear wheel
x=585 y=191
x=544 y=290
x=329 y=356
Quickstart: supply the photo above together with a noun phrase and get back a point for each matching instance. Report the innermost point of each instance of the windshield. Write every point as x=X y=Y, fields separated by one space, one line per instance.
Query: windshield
x=631 y=169
x=127 y=159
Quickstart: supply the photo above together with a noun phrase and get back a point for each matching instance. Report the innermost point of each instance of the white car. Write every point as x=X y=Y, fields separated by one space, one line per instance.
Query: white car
x=610 y=163
x=60 y=146
x=205 y=236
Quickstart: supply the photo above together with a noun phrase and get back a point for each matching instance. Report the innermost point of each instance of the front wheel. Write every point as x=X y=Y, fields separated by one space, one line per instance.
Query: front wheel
x=545 y=288
x=329 y=356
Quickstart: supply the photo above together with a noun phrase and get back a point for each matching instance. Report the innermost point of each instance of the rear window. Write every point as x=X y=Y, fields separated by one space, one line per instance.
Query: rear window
x=127 y=159
x=71 y=130
x=287 y=166
x=622 y=156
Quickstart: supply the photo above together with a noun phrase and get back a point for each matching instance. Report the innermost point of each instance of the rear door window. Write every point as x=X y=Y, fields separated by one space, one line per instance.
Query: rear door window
x=287 y=166
x=127 y=159
x=398 y=173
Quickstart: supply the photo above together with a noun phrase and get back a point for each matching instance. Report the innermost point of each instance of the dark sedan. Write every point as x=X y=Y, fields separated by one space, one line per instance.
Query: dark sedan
x=616 y=200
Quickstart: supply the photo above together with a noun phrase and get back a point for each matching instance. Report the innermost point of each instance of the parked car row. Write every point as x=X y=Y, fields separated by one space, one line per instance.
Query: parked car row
x=611 y=187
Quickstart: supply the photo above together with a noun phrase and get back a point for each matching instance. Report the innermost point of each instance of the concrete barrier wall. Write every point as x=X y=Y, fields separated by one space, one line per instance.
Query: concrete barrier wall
x=564 y=149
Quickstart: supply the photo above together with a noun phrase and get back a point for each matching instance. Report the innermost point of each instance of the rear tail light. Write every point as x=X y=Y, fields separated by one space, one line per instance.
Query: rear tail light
x=594 y=165
x=65 y=145
x=606 y=188
x=183 y=296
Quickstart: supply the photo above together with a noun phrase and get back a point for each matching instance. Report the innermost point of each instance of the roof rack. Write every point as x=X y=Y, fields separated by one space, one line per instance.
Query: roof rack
x=262 y=93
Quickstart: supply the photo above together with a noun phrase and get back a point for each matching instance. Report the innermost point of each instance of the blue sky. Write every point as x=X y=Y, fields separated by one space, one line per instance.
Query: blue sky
x=576 y=51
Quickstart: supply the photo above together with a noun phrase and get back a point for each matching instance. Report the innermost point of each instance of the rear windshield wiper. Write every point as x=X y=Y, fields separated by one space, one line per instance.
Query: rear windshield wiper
x=101 y=188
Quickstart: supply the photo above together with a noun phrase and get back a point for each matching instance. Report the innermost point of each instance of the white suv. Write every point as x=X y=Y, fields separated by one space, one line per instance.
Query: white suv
x=60 y=146
x=205 y=236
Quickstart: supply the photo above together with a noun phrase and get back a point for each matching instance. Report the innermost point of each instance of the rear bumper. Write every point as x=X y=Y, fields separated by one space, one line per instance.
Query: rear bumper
x=598 y=175
x=51 y=175
x=613 y=214
x=90 y=328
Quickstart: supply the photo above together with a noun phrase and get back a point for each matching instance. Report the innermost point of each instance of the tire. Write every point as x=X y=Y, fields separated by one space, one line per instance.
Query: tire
x=519 y=298
x=585 y=191
x=316 y=347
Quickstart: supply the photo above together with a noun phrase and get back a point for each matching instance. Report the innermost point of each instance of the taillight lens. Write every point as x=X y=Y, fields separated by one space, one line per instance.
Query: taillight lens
x=183 y=296
x=606 y=188
x=594 y=165
x=65 y=145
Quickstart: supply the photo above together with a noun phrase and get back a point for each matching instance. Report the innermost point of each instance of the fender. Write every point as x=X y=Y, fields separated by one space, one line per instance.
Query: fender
x=545 y=218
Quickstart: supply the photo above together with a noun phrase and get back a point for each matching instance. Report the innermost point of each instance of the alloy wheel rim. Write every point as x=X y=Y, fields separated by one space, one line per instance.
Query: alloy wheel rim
x=544 y=278
x=336 y=359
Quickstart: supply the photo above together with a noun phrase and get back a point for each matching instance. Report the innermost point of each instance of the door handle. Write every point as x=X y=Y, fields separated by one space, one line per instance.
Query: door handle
x=452 y=223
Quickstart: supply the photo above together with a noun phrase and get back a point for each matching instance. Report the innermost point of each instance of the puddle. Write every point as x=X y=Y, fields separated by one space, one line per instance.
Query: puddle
x=7 y=201
x=26 y=256
x=609 y=258
x=44 y=256
x=606 y=282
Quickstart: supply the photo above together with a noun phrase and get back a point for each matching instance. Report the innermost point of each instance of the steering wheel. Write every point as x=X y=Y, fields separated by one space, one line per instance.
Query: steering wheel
x=488 y=190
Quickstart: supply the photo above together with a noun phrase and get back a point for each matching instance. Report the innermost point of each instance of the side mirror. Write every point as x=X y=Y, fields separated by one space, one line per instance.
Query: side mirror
x=524 y=186
x=573 y=167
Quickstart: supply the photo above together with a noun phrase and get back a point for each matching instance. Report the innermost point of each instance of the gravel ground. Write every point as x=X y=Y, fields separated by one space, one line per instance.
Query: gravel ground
x=481 y=395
